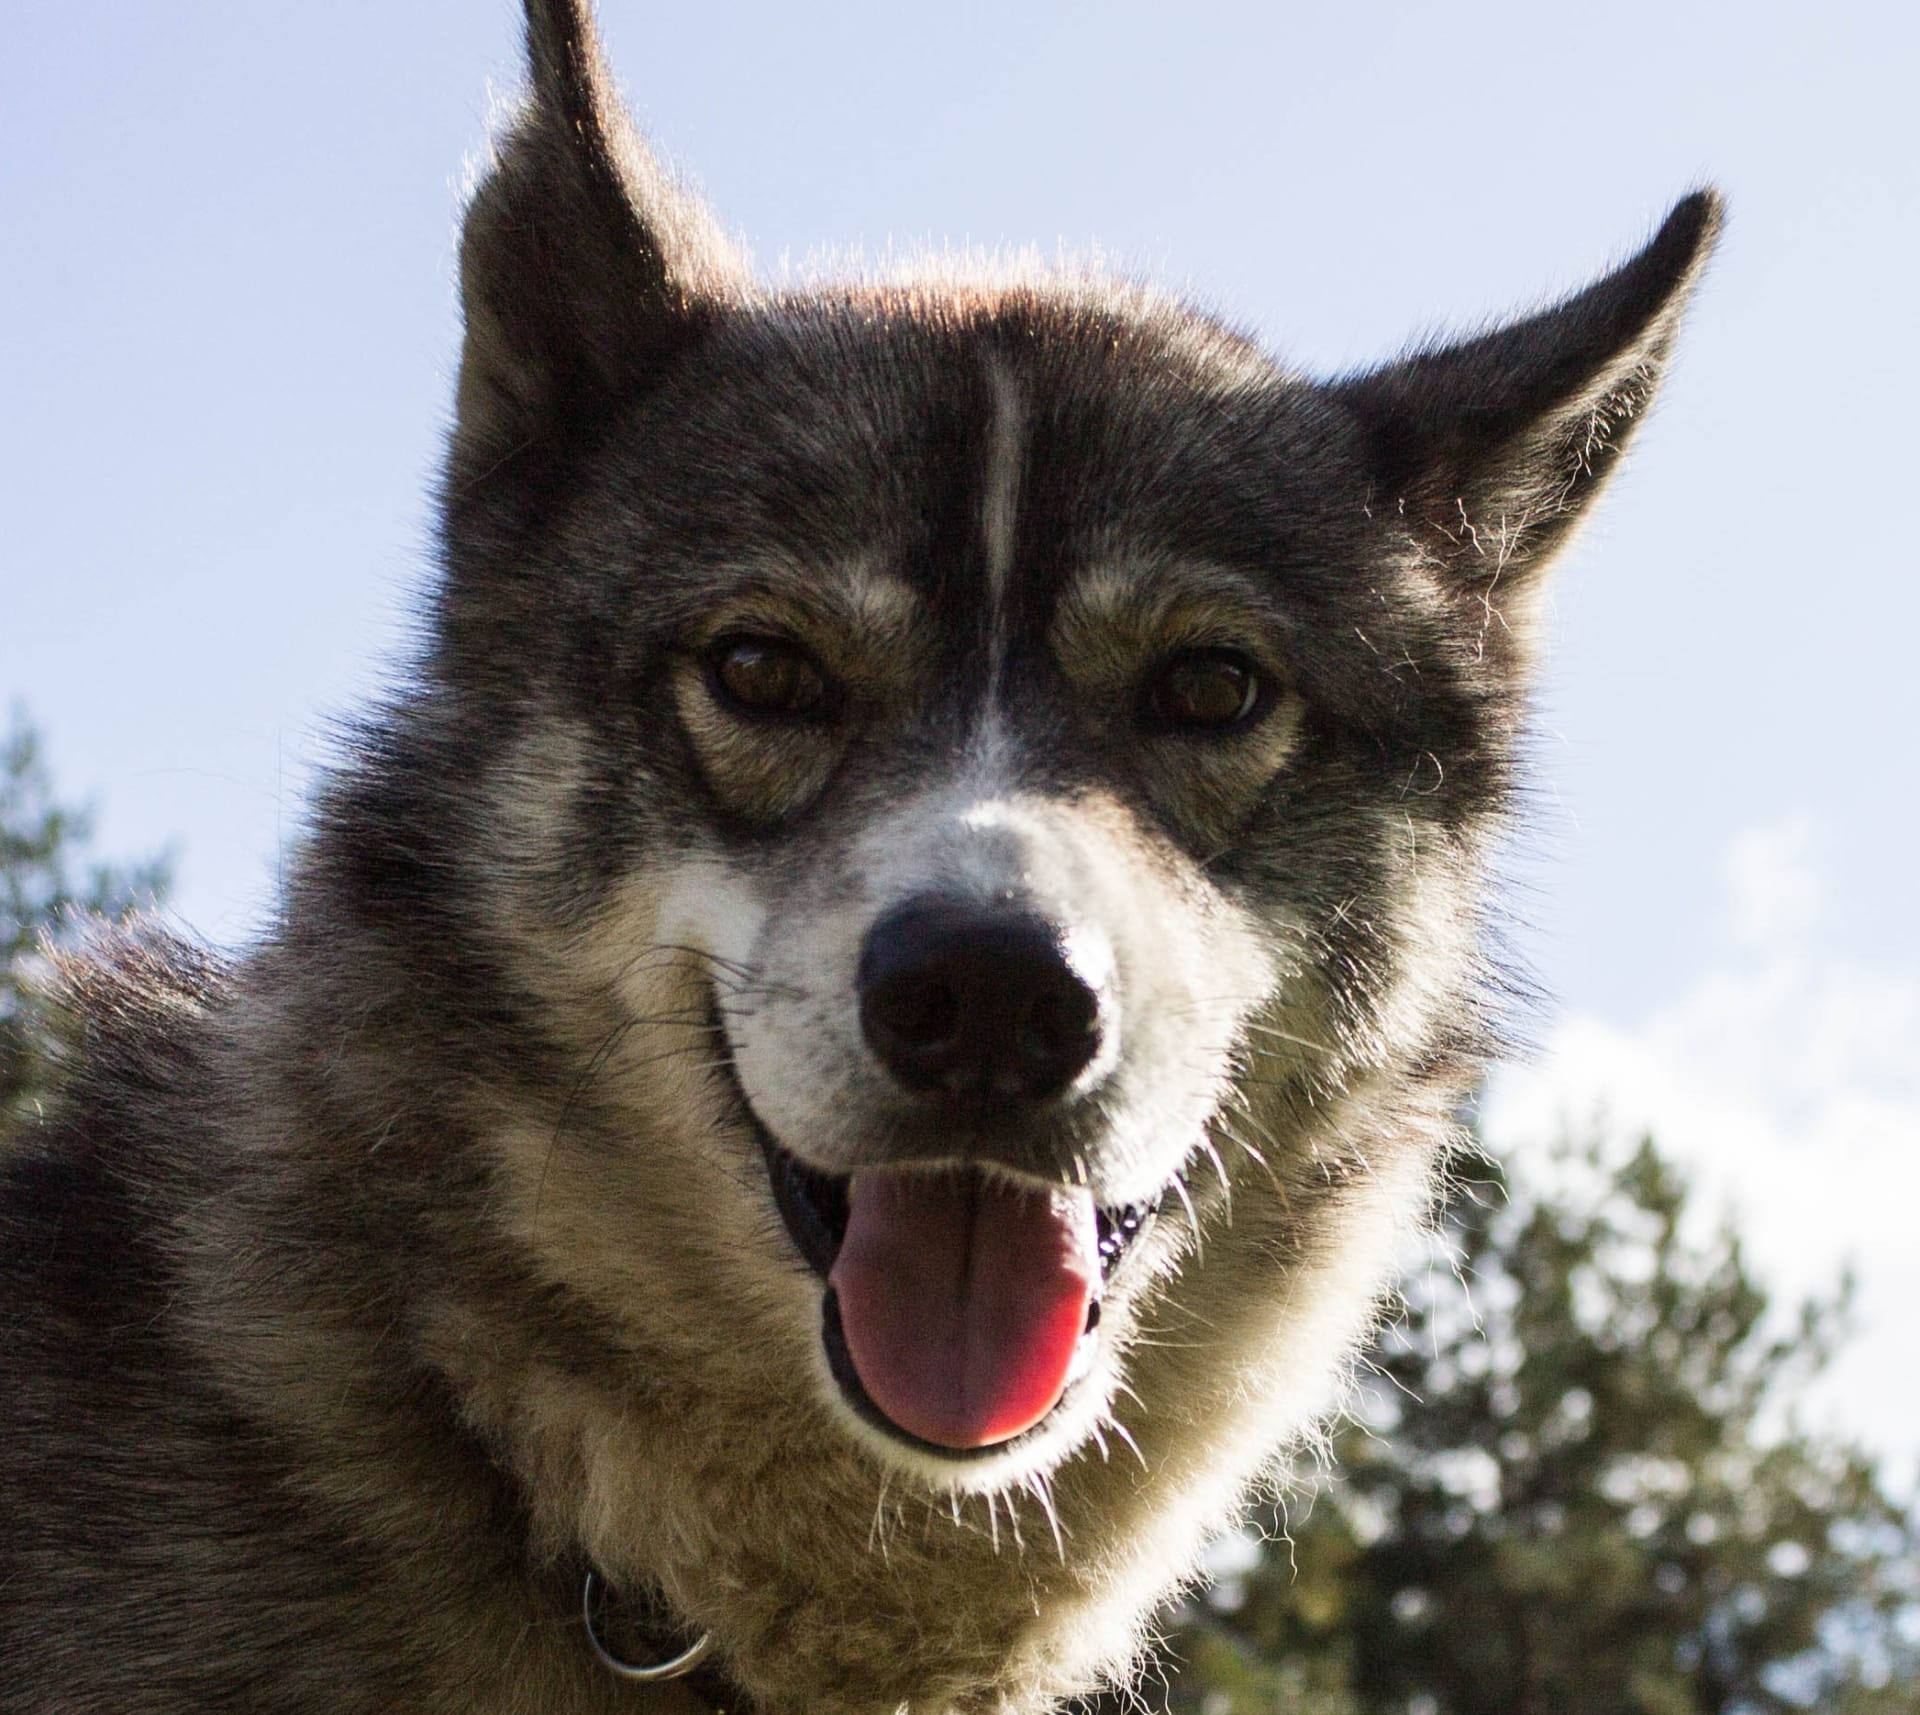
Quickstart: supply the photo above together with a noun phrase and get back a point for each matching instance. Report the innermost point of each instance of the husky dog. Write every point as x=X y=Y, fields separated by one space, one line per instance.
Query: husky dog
x=842 y=1069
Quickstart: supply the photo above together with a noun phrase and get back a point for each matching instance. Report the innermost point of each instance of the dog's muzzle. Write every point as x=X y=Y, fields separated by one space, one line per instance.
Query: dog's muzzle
x=962 y=1300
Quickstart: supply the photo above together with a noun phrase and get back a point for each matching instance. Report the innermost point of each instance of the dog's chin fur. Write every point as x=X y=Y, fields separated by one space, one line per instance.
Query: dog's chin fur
x=360 y=1298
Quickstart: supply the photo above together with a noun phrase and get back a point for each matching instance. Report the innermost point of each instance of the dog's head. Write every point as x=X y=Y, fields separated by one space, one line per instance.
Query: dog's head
x=991 y=776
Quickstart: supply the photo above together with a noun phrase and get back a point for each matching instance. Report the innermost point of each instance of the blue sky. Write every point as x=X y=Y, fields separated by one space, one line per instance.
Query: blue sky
x=227 y=290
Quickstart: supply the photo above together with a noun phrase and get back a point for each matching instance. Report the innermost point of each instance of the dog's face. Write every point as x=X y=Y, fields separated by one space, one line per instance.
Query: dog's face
x=988 y=767
x=980 y=673
x=988 y=703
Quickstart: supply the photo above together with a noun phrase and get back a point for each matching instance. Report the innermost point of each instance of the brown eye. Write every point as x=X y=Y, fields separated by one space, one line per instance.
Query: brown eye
x=768 y=676
x=1205 y=690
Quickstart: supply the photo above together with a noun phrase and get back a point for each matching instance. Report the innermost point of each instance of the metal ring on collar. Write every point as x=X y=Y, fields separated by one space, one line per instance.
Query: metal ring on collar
x=641 y=1673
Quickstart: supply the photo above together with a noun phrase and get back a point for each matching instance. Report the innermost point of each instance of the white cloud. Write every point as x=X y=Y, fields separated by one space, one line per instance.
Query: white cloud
x=1773 y=882
x=1788 y=1080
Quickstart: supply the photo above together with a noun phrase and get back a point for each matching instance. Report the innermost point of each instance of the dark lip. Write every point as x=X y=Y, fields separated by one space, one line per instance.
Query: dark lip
x=813 y=1209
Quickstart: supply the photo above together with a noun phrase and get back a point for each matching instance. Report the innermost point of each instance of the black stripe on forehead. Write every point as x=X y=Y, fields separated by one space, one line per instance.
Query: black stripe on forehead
x=945 y=555
x=1085 y=391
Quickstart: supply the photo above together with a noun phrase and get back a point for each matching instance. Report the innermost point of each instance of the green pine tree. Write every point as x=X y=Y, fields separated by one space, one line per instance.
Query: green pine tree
x=1581 y=1490
x=47 y=878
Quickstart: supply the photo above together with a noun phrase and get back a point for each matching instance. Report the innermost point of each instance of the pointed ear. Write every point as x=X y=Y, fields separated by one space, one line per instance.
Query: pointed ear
x=1493 y=448
x=583 y=266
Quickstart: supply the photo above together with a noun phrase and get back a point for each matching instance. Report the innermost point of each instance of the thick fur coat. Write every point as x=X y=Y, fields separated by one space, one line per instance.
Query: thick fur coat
x=481 y=1226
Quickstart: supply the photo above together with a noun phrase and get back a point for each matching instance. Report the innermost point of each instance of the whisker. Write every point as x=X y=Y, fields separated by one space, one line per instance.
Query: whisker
x=1121 y=1430
x=1256 y=1028
x=1042 y=1492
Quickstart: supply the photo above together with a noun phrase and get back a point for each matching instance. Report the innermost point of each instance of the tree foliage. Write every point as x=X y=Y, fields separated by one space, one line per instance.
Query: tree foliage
x=1580 y=1488
x=48 y=882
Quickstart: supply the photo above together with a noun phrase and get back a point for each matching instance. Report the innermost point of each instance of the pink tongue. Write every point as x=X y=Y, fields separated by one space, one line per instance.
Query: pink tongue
x=962 y=1301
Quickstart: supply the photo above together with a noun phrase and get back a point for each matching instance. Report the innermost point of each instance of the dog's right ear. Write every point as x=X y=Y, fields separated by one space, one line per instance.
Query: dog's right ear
x=583 y=266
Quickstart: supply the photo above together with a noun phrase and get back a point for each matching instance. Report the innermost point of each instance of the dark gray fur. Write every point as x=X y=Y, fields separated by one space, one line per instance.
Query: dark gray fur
x=238 y=1469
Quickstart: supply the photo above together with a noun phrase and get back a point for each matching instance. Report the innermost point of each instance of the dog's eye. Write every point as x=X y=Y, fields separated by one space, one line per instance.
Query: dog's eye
x=768 y=676
x=1205 y=690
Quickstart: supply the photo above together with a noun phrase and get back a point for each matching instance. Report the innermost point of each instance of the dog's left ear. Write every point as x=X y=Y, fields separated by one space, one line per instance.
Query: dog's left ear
x=1493 y=448
x=583 y=265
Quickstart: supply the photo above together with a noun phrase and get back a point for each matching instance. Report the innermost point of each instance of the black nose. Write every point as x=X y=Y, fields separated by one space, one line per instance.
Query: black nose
x=977 y=1002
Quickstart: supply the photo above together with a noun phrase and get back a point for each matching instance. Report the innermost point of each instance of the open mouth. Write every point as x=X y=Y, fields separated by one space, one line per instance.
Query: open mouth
x=959 y=1310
